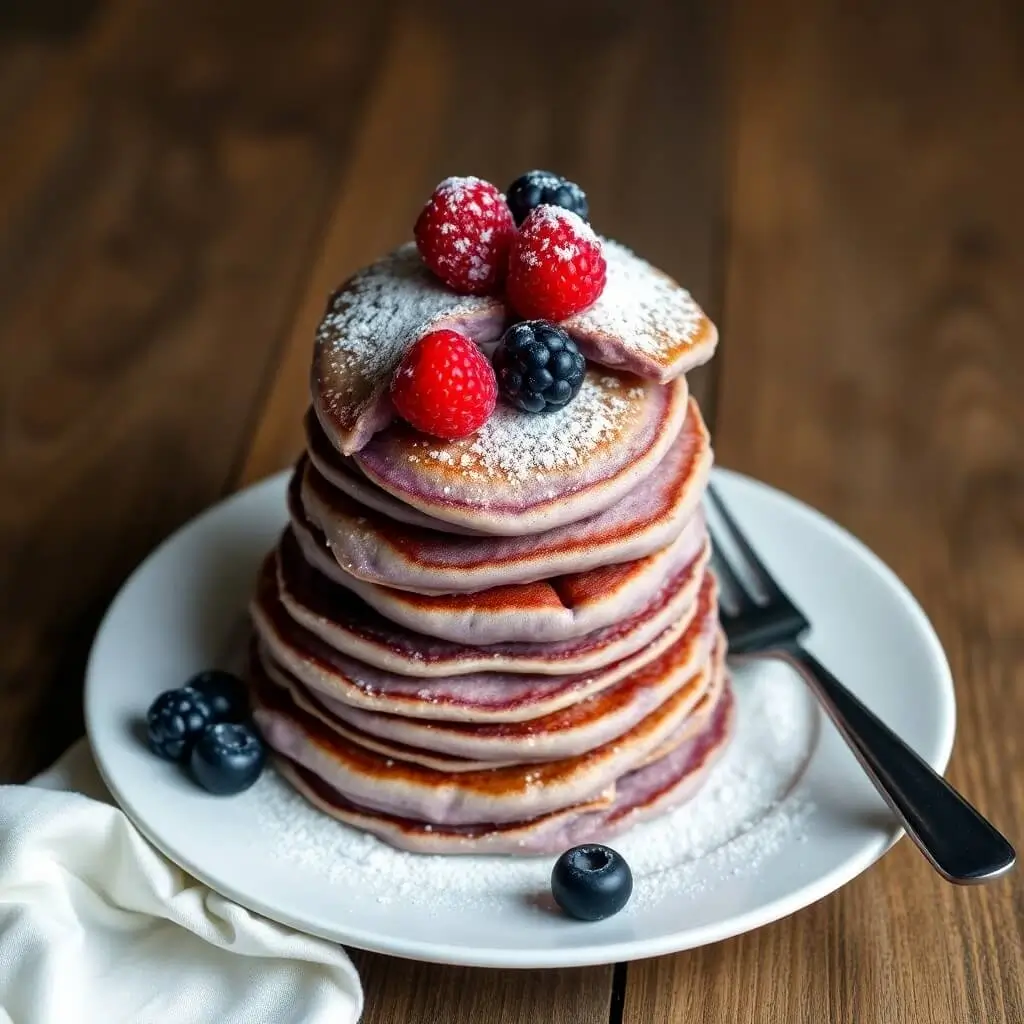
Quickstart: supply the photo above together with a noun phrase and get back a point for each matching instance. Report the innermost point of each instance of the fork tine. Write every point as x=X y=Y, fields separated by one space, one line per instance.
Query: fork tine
x=757 y=567
x=735 y=589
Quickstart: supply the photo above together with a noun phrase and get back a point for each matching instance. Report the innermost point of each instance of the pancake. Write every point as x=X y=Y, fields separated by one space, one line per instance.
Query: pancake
x=474 y=697
x=643 y=321
x=310 y=703
x=620 y=713
x=342 y=473
x=494 y=795
x=525 y=474
x=347 y=624
x=379 y=550
x=370 y=322
x=557 y=609
x=585 y=723
x=640 y=795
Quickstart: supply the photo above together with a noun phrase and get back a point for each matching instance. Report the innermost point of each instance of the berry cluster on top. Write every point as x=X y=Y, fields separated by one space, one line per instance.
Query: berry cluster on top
x=533 y=243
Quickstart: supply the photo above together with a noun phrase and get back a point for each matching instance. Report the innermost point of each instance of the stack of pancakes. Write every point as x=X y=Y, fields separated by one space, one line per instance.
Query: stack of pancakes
x=506 y=643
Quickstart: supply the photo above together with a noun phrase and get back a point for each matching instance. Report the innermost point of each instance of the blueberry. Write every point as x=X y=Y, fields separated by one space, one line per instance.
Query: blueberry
x=536 y=188
x=227 y=758
x=538 y=366
x=591 y=882
x=175 y=720
x=224 y=692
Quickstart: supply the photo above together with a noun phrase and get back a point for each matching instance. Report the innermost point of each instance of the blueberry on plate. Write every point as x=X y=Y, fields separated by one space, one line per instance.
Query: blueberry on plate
x=538 y=366
x=224 y=692
x=544 y=188
x=175 y=720
x=591 y=882
x=227 y=758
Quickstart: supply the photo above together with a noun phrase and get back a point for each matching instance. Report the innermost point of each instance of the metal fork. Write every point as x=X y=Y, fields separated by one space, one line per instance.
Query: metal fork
x=963 y=847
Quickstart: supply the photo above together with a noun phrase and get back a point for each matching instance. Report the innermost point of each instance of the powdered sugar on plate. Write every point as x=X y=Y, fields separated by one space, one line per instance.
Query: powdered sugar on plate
x=745 y=811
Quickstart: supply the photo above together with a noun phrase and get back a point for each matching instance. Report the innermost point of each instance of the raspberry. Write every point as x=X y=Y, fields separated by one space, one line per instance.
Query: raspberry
x=444 y=385
x=464 y=233
x=556 y=267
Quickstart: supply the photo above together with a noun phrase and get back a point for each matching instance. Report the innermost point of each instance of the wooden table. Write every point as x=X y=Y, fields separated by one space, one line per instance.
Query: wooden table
x=842 y=185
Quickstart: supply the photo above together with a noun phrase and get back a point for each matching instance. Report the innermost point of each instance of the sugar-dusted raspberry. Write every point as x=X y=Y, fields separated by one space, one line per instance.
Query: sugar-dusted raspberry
x=464 y=233
x=445 y=385
x=556 y=267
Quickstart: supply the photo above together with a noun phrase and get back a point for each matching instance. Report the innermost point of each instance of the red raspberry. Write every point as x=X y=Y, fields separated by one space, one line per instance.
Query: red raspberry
x=464 y=233
x=556 y=267
x=444 y=385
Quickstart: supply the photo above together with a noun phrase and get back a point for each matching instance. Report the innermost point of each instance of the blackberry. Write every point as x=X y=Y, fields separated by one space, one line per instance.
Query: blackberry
x=539 y=367
x=536 y=188
x=175 y=720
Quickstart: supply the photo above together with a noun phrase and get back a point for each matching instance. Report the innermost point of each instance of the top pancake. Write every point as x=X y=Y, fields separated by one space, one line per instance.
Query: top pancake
x=370 y=322
x=524 y=474
x=644 y=322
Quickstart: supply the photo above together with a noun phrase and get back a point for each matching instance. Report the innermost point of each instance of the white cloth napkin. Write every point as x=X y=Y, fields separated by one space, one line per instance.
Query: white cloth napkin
x=97 y=926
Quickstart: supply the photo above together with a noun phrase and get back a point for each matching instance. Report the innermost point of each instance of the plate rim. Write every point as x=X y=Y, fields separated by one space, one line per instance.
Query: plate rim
x=574 y=955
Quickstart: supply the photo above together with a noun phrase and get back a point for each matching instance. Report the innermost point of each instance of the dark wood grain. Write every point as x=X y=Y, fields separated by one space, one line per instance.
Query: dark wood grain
x=873 y=365
x=402 y=992
x=156 y=220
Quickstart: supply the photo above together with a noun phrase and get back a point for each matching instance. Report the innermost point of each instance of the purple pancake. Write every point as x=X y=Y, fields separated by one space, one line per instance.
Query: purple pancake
x=369 y=543
x=525 y=474
x=646 y=793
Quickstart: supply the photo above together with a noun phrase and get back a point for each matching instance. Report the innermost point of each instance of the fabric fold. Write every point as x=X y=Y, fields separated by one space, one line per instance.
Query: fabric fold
x=96 y=925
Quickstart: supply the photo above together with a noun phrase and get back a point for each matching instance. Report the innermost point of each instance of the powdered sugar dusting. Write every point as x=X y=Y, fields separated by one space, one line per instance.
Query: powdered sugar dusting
x=455 y=188
x=744 y=813
x=549 y=218
x=643 y=321
x=515 y=446
x=544 y=238
x=376 y=317
x=641 y=307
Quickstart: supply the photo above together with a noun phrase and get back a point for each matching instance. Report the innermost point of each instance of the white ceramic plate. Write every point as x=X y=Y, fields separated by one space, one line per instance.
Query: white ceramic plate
x=818 y=823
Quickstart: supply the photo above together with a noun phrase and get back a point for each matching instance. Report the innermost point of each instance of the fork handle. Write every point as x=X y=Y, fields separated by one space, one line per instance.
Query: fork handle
x=959 y=842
